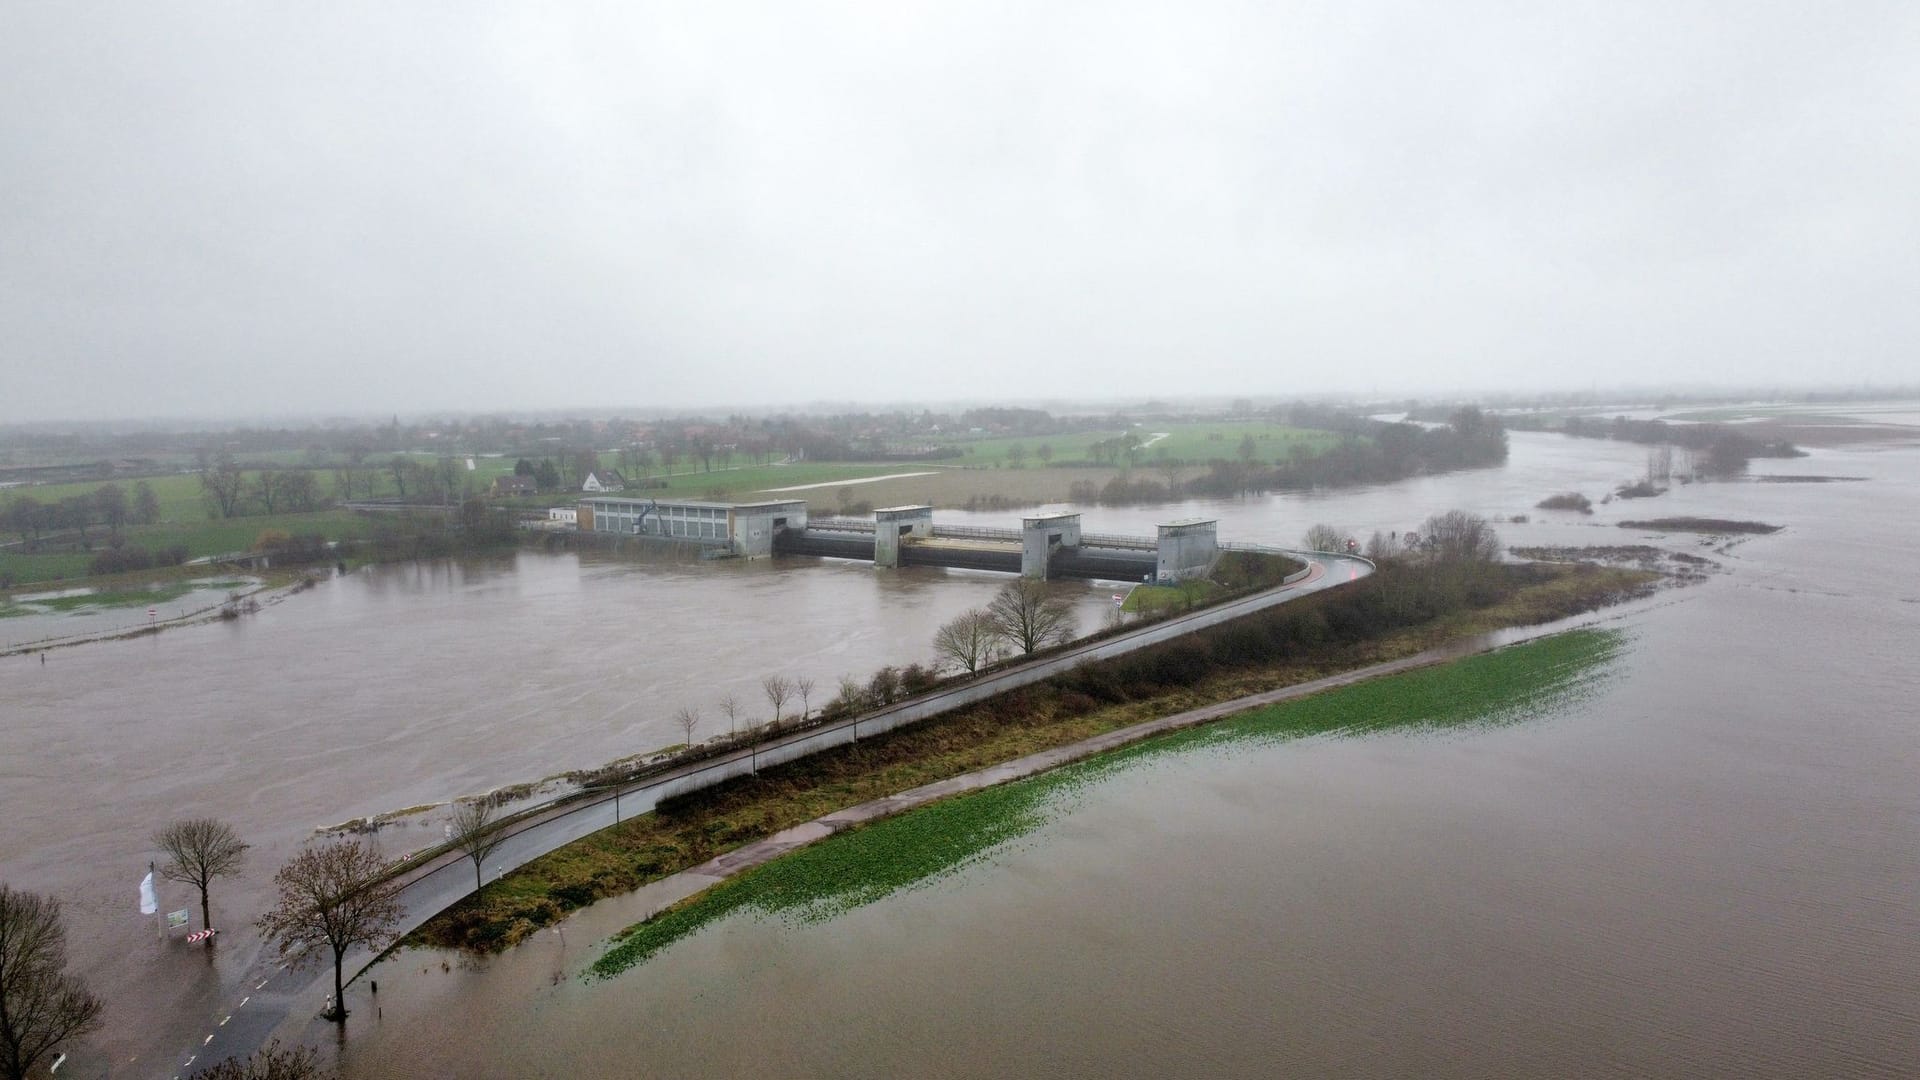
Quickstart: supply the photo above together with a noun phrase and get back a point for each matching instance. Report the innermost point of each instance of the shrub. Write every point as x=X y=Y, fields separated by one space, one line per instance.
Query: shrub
x=1566 y=500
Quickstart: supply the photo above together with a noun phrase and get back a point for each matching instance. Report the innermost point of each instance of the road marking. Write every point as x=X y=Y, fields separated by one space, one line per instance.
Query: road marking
x=223 y=1023
x=244 y=1000
x=262 y=982
x=206 y=1040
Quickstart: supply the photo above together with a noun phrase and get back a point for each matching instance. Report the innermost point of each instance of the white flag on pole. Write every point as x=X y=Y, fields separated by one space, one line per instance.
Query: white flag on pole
x=149 y=903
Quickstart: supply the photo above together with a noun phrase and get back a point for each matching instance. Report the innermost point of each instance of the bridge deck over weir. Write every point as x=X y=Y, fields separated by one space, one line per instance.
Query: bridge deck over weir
x=1111 y=558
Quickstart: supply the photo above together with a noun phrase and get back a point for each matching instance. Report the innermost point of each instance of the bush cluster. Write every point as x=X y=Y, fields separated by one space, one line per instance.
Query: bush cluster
x=115 y=560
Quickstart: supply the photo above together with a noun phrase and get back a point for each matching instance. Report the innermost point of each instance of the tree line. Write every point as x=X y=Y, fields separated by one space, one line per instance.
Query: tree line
x=107 y=505
x=1719 y=449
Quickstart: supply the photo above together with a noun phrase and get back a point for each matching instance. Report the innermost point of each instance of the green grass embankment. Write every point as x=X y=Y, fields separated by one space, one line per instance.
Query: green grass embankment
x=1165 y=599
x=866 y=864
x=1378 y=619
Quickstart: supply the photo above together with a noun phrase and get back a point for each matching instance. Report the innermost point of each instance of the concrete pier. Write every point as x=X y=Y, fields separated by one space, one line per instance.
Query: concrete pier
x=896 y=525
x=1040 y=536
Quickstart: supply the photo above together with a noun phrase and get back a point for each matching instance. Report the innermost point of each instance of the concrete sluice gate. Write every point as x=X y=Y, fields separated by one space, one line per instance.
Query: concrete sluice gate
x=1050 y=546
x=1045 y=546
x=1109 y=564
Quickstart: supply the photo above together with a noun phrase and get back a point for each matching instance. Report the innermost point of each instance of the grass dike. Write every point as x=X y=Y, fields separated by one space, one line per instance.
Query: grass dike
x=865 y=864
x=1396 y=613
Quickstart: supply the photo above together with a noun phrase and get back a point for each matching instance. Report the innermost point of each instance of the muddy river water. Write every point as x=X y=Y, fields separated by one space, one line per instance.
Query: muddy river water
x=1711 y=866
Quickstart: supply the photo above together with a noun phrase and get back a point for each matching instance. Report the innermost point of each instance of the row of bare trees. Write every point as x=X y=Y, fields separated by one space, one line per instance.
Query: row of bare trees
x=332 y=896
x=106 y=505
x=1025 y=616
x=1453 y=537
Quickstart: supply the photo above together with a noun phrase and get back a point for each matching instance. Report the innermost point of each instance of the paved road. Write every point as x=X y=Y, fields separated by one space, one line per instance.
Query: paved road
x=279 y=1001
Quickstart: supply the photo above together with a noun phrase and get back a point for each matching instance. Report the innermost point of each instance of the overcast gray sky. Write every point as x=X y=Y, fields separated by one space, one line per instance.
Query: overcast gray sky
x=368 y=207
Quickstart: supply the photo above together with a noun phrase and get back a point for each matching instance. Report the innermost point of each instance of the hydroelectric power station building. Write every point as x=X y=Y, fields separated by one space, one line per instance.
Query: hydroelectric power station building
x=745 y=529
x=1045 y=546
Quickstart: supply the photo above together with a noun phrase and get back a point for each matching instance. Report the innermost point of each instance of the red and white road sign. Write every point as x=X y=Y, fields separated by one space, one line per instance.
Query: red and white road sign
x=200 y=935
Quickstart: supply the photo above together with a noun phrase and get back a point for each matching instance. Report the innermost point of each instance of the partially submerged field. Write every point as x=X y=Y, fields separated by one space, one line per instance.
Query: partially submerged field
x=1394 y=614
x=866 y=864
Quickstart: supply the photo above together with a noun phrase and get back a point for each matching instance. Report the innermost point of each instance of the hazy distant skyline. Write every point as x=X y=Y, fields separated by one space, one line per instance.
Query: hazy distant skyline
x=357 y=209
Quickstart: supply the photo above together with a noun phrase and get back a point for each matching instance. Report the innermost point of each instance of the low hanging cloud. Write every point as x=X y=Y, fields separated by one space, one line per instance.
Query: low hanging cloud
x=372 y=207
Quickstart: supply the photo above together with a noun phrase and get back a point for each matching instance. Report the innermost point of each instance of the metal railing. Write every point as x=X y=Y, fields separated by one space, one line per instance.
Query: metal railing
x=977 y=532
x=1113 y=541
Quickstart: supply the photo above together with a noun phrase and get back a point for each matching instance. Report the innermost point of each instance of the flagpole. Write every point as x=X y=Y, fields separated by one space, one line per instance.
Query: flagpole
x=159 y=917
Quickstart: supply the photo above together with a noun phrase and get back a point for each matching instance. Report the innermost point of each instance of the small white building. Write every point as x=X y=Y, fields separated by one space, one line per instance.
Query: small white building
x=564 y=515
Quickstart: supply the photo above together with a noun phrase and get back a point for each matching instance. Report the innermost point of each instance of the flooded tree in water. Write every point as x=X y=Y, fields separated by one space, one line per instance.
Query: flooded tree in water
x=1030 y=615
x=199 y=850
x=687 y=720
x=1324 y=537
x=41 y=1006
x=333 y=897
x=779 y=689
x=969 y=640
x=475 y=832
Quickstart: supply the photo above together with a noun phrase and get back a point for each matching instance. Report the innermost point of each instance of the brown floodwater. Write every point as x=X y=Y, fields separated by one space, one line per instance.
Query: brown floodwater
x=1710 y=866
x=388 y=688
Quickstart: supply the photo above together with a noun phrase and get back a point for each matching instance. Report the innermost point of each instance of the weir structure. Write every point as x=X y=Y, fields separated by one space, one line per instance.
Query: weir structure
x=1045 y=546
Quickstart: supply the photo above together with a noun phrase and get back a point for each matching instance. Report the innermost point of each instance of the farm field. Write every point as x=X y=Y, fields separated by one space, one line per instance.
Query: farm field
x=201 y=536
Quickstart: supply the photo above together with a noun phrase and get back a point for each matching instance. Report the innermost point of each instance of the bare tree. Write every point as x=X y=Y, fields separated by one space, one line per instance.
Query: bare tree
x=41 y=1006
x=221 y=482
x=146 y=505
x=1169 y=468
x=1191 y=590
x=266 y=489
x=270 y=1062
x=199 y=850
x=476 y=833
x=688 y=719
x=1030 y=615
x=804 y=684
x=333 y=896
x=1324 y=537
x=1457 y=536
x=730 y=708
x=969 y=640
x=111 y=501
x=853 y=694
x=778 y=689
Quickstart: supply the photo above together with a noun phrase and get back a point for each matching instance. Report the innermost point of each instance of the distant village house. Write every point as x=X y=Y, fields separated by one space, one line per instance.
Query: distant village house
x=605 y=480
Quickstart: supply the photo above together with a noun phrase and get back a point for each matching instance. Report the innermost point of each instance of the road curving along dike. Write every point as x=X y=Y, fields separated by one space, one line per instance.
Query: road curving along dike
x=284 y=999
